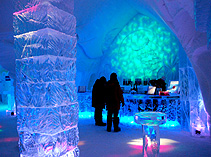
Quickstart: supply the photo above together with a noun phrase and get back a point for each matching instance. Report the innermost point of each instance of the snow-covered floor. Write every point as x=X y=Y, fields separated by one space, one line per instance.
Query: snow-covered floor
x=95 y=141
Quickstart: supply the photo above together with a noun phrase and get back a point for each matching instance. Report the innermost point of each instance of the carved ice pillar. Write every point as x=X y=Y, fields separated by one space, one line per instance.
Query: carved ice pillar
x=47 y=107
x=194 y=117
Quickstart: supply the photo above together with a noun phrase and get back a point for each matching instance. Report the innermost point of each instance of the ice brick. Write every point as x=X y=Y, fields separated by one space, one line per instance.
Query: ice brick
x=44 y=15
x=45 y=42
x=66 y=5
x=45 y=69
x=46 y=94
x=47 y=121
x=191 y=99
x=36 y=144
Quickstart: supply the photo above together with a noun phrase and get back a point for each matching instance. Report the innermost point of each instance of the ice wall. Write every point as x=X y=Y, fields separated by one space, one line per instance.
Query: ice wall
x=194 y=117
x=95 y=35
x=143 y=49
x=47 y=107
x=203 y=18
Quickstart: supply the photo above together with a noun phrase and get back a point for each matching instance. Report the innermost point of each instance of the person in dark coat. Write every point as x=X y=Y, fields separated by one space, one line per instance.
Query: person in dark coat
x=114 y=95
x=161 y=83
x=98 y=100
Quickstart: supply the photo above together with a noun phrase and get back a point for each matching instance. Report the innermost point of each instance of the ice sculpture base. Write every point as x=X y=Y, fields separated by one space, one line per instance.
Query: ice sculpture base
x=150 y=122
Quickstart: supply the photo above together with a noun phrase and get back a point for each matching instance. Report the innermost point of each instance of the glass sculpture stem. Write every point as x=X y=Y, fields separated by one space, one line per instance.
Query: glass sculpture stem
x=151 y=141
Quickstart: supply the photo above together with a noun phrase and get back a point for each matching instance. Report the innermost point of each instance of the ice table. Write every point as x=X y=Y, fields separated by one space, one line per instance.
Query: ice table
x=150 y=122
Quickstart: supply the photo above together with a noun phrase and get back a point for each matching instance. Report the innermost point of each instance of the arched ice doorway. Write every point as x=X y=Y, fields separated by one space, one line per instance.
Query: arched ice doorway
x=179 y=18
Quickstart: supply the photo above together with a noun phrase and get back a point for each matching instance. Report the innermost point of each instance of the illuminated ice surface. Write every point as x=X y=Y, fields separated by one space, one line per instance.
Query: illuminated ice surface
x=150 y=118
x=47 y=107
x=134 y=104
x=193 y=113
x=154 y=56
x=150 y=122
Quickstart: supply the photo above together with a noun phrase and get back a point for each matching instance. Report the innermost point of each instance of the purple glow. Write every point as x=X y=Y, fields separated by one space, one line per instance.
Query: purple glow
x=166 y=145
x=9 y=139
x=31 y=9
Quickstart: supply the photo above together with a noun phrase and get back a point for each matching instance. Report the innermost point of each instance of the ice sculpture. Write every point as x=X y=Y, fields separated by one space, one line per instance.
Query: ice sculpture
x=194 y=117
x=134 y=104
x=46 y=95
x=150 y=122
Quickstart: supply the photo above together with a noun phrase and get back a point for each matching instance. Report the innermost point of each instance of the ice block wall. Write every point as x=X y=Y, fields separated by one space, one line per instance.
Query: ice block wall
x=194 y=117
x=47 y=107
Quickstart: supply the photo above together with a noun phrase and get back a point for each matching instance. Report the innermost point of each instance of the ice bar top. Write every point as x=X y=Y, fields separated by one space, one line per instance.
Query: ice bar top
x=150 y=118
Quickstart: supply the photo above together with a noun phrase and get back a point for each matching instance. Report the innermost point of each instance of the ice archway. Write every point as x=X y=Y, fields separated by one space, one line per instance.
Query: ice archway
x=104 y=20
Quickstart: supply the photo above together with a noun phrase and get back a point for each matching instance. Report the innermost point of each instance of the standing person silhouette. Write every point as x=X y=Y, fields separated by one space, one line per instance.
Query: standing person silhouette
x=98 y=100
x=161 y=83
x=114 y=95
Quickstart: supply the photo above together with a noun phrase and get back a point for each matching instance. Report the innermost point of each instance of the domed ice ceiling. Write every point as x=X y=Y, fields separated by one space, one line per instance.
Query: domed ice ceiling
x=143 y=49
x=133 y=42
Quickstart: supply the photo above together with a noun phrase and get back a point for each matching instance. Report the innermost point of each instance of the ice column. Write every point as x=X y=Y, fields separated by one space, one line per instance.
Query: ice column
x=194 y=117
x=47 y=107
x=151 y=141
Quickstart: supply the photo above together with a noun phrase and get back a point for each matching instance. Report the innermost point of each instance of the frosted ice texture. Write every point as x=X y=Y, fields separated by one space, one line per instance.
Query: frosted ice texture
x=45 y=42
x=135 y=104
x=45 y=69
x=85 y=102
x=193 y=115
x=35 y=144
x=151 y=140
x=44 y=15
x=65 y=5
x=46 y=94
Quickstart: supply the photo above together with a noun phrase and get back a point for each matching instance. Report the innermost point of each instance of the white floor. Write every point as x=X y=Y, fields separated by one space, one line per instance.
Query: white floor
x=95 y=141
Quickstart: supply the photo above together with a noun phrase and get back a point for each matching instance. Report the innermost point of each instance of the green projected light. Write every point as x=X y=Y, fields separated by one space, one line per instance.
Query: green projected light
x=145 y=49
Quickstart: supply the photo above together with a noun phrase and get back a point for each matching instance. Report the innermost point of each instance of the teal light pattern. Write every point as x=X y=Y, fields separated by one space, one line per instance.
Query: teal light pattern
x=145 y=49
